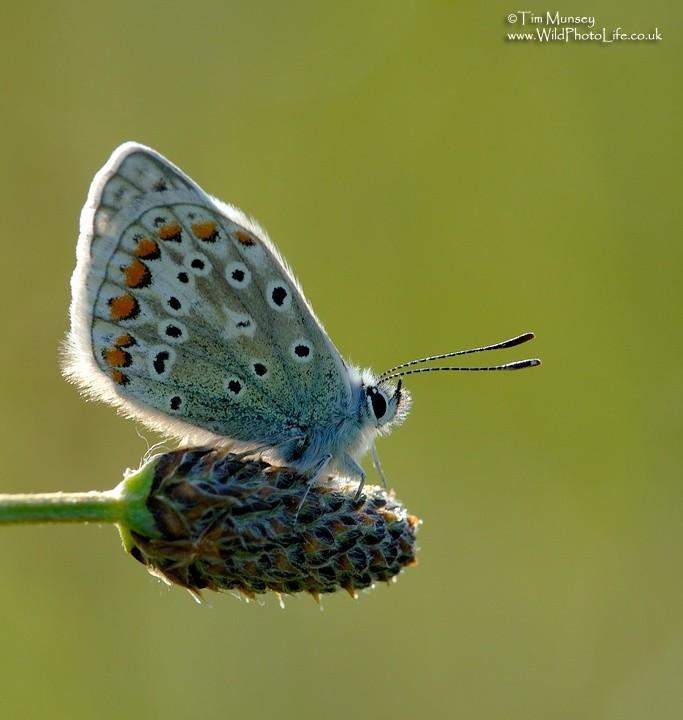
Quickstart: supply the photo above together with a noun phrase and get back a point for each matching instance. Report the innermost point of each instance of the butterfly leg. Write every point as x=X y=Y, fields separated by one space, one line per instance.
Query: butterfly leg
x=378 y=467
x=361 y=484
x=315 y=476
x=352 y=469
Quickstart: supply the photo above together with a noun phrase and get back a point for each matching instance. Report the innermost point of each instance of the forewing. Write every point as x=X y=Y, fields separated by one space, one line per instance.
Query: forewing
x=185 y=316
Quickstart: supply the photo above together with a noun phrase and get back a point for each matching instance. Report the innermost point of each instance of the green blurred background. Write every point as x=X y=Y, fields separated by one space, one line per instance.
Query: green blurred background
x=434 y=187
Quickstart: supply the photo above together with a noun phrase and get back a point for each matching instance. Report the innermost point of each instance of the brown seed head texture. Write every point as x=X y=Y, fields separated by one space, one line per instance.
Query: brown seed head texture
x=228 y=522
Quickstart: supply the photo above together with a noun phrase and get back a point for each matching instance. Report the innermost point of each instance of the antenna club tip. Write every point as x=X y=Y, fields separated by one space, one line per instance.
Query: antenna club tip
x=528 y=336
x=535 y=362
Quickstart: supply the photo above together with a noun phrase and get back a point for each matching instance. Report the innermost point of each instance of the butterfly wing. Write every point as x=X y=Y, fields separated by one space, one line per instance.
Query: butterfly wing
x=185 y=316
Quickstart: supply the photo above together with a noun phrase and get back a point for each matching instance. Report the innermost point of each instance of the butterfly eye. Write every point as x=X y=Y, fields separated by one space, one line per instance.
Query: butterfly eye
x=379 y=404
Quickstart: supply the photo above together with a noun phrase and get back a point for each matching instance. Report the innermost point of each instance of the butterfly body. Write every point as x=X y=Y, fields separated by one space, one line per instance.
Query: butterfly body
x=186 y=318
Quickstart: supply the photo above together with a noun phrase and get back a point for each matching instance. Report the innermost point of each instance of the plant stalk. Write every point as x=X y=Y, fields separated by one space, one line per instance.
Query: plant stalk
x=60 y=507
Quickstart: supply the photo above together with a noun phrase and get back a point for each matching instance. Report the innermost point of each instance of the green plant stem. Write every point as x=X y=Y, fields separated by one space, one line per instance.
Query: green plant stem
x=100 y=507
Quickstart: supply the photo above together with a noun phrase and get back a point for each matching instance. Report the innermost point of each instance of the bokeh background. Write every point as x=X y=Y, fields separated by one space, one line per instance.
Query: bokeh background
x=434 y=187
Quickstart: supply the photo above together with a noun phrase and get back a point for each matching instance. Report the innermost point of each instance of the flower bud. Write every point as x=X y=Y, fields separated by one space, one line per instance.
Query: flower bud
x=229 y=522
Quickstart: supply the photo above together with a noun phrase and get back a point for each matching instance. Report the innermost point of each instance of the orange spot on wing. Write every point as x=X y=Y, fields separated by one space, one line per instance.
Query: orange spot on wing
x=206 y=230
x=123 y=307
x=116 y=357
x=137 y=274
x=119 y=378
x=147 y=249
x=244 y=238
x=170 y=232
x=124 y=341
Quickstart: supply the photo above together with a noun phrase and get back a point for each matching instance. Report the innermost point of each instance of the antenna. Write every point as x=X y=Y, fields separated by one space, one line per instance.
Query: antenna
x=517 y=365
x=512 y=342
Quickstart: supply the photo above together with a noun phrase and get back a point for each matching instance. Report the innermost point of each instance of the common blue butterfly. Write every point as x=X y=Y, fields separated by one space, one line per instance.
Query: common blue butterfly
x=185 y=317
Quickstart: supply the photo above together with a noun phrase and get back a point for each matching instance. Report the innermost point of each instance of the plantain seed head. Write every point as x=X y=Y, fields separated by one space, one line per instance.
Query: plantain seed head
x=224 y=521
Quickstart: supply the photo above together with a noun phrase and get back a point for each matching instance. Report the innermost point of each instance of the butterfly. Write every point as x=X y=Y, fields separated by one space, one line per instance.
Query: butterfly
x=185 y=317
